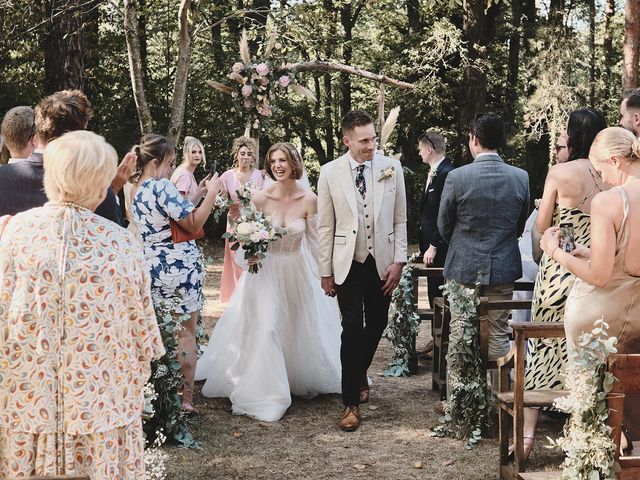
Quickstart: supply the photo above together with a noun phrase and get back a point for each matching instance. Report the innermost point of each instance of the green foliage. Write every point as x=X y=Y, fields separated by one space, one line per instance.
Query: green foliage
x=590 y=451
x=405 y=321
x=468 y=408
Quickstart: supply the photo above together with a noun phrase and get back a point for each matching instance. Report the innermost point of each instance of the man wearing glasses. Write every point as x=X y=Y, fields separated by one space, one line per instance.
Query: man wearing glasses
x=483 y=211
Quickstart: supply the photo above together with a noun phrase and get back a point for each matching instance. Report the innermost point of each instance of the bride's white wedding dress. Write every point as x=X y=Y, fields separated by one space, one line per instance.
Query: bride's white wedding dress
x=280 y=334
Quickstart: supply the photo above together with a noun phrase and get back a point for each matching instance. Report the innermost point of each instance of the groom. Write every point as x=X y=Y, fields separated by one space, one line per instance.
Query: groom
x=362 y=243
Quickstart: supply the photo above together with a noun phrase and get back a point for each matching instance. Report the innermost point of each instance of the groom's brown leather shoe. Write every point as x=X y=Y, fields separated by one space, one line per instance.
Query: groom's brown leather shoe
x=350 y=419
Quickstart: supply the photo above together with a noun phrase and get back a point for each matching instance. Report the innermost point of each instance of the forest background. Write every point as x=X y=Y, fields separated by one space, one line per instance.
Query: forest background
x=529 y=61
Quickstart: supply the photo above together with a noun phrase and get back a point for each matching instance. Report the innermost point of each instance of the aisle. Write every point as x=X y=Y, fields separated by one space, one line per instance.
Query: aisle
x=394 y=441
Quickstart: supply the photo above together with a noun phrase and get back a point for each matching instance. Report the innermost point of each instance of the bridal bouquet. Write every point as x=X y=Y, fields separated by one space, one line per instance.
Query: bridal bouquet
x=221 y=206
x=253 y=231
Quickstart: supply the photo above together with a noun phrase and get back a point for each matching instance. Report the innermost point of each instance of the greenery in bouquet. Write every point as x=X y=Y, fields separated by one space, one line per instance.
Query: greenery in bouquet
x=253 y=232
x=245 y=194
x=467 y=412
x=221 y=206
x=587 y=443
x=405 y=321
x=162 y=415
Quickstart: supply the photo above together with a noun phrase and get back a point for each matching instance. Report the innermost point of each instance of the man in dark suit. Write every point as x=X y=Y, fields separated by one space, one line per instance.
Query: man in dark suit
x=483 y=211
x=21 y=184
x=432 y=148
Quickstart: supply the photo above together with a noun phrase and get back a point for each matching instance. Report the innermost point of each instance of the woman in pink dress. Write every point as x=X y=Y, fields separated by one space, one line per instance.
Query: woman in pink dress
x=183 y=178
x=242 y=172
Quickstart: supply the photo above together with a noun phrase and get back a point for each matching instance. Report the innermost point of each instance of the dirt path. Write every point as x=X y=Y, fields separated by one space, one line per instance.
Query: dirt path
x=394 y=441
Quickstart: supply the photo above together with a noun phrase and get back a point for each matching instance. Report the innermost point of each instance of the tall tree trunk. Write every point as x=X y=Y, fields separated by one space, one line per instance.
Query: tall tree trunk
x=91 y=45
x=607 y=45
x=413 y=16
x=514 y=61
x=348 y=18
x=347 y=55
x=64 y=61
x=631 y=44
x=592 y=52
x=217 y=12
x=556 y=12
x=132 y=36
x=187 y=17
x=479 y=31
x=326 y=78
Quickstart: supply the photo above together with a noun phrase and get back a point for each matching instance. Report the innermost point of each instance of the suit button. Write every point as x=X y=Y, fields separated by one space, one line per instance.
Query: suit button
x=369 y=236
x=366 y=216
x=365 y=206
x=368 y=226
x=354 y=231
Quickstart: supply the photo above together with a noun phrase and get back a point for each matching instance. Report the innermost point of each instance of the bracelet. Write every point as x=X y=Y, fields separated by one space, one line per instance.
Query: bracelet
x=554 y=251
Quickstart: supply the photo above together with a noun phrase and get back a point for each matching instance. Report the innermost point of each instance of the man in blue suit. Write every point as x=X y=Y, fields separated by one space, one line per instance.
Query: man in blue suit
x=483 y=211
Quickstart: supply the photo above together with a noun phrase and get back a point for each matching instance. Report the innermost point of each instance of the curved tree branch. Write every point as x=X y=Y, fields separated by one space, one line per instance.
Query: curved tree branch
x=322 y=66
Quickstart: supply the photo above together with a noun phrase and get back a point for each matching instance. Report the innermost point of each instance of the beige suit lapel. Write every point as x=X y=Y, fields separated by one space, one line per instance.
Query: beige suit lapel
x=346 y=180
x=378 y=187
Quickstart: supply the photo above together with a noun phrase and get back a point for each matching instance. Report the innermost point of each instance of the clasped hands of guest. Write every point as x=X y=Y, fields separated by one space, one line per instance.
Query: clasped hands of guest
x=429 y=256
x=550 y=241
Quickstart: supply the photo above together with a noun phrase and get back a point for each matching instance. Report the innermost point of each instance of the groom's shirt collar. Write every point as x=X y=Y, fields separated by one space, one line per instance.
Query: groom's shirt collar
x=354 y=164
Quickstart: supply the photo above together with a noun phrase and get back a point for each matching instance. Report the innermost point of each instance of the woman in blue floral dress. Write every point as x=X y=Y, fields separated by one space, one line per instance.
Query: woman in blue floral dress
x=176 y=268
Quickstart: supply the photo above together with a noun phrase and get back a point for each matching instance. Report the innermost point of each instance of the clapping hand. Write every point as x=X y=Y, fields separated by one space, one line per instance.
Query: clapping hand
x=124 y=172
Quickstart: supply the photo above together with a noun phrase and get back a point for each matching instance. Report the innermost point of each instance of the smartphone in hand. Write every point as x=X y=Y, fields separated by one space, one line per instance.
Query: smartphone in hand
x=567 y=239
x=213 y=167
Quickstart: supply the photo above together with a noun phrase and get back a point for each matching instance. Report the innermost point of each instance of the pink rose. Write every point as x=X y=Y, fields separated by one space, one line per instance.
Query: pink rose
x=237 y=67
x=265 y=110
x=284 y=81
x=247 y=90
x=263 y=81
x=262 y=69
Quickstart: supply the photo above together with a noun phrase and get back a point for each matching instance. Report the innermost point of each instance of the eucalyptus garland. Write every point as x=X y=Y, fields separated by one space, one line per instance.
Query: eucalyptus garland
x=468 y=408
x=590 y=451
x=162 y=414
x=405 y=321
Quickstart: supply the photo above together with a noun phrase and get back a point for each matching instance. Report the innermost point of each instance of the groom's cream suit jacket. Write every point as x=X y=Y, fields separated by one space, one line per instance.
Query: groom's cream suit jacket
x=338 y=216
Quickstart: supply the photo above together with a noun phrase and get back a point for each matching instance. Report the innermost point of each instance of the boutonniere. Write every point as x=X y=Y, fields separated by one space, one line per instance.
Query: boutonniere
x=388 y=172
x=432 y=174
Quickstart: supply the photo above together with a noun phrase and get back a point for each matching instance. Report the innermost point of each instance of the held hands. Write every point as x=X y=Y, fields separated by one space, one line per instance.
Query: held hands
x=429 y=255
x=391 y=278
x=328 y=286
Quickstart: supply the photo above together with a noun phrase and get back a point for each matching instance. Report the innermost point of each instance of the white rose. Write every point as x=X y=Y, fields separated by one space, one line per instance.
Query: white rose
x=245 y=229
x=255 y=237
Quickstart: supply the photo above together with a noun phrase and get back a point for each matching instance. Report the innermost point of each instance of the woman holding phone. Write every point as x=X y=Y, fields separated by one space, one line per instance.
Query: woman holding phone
x=608 y=274
x=568 y=191
x=183 y=176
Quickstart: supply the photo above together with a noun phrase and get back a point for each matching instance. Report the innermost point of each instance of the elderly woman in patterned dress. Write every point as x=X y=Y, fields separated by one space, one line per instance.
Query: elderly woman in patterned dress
x=77 y=327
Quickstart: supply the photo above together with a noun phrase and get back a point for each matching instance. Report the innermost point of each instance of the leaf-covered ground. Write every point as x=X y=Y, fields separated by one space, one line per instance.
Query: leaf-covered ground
x=394 y=441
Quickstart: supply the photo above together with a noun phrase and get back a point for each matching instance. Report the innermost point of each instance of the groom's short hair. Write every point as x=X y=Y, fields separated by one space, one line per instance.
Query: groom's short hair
x=488 y=128
x=353 y=119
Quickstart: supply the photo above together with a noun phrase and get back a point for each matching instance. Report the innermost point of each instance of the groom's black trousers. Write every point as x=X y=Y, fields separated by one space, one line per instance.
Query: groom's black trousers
x=360 y=293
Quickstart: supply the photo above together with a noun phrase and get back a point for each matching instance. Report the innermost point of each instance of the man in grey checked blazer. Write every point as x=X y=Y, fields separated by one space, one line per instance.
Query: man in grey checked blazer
x=483 y=211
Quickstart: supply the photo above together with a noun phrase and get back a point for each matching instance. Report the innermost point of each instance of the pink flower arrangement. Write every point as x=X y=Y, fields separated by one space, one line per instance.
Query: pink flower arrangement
x=265 y=109
x=247 y=90
x=237 y=67
x=262 y=69
x=284 y=81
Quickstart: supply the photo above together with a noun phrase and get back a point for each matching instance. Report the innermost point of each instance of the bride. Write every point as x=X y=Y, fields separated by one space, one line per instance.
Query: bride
x=280 y=335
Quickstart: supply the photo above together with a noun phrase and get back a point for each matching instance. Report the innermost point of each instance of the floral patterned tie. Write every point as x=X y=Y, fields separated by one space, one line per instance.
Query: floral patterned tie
x=360 y=184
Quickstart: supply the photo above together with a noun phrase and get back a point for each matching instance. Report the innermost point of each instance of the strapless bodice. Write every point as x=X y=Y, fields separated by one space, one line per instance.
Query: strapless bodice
x=291 y=242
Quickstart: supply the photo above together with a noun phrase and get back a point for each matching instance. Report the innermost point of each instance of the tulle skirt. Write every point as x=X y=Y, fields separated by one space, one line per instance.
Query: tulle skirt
x=280 y=335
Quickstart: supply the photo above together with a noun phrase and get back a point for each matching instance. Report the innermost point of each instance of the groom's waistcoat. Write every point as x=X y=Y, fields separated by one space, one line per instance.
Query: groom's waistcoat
x=366 y=224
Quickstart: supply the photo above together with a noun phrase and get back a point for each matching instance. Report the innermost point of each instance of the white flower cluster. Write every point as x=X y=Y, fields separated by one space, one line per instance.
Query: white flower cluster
x=150 y=396
x=587 y=439
x=155 y=459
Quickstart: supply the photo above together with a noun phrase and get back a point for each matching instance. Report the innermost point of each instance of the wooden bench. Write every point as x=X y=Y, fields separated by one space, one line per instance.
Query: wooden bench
x=425 y=314
x=511 y=402
x=441 y=326
x=626 y=368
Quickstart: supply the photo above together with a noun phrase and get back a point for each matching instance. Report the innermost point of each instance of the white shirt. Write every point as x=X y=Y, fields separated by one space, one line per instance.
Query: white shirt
x=432 y=171
x=367 y=172
x=484 y=154
x=15 y=160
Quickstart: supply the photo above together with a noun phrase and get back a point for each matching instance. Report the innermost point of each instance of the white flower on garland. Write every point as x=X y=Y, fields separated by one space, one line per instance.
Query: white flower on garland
x=587 y=443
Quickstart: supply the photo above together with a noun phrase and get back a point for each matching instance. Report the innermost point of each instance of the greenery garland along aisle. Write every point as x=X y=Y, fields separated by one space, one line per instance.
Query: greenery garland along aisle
x=468 y=408
x=587 y=443
x=405 y=321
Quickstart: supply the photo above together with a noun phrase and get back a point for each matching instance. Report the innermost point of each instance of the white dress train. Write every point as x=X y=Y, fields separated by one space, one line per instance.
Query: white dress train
x=279 y=335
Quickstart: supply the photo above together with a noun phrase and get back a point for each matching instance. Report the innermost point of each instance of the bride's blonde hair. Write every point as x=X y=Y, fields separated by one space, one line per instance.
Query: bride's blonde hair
x=615 y=142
